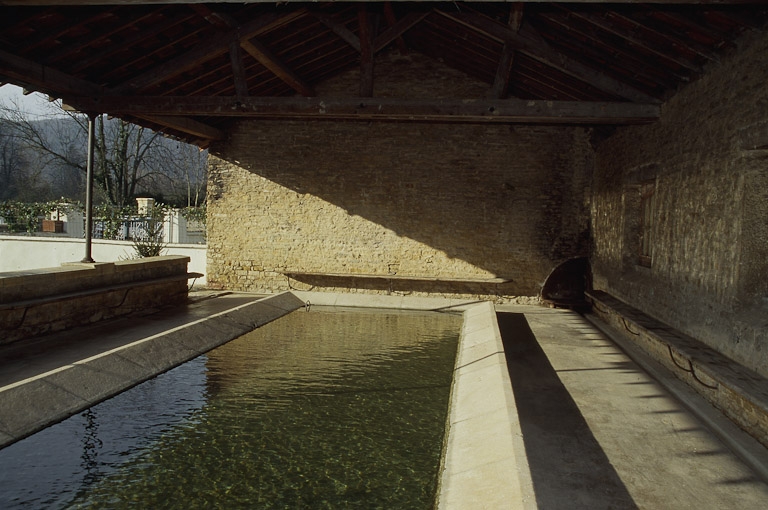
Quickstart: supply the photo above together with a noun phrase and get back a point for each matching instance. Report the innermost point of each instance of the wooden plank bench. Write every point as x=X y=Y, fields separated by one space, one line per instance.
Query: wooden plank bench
x=740 y=393
x=390 y=278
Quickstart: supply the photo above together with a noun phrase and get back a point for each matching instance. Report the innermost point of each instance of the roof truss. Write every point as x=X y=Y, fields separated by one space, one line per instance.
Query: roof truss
x=185 y=67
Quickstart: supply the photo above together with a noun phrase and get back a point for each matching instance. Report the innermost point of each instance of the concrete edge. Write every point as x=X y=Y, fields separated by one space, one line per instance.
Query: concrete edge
x=484 y=462
x=744 y=445
x=33 y=404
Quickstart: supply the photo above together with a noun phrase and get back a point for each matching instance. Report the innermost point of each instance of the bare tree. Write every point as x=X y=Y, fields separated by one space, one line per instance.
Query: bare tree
x=129 y=159
x=19 y=180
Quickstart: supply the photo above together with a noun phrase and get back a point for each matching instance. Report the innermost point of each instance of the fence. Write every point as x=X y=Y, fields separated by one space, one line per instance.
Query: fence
x=175 y=228
x=20 y=253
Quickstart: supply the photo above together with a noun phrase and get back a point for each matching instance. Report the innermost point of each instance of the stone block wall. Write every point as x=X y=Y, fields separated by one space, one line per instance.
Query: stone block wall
x=46 y=300
x=708 y=275
x=423 y=200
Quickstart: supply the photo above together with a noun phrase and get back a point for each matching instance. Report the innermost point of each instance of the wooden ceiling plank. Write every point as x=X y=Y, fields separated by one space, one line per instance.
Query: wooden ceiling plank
x=47 y=37
x=208 y=49
x=385 y=109
x=592 y=47
x=101 y=38
x=603 y=23
x=670 y=29
x=261 y=53
x=528 y=41
x=133 y=40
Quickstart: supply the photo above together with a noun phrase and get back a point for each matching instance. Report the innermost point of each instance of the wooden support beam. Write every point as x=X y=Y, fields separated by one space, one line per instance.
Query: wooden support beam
x=379 y=109
x=207 y=50
x=45 y=79
x=185 y=125
x=338 y=29
x=389 y=16
x=604 y=23
x=397 y=29
x=238 y=71
x=273 y=63
x=366 y=51
x=504 y=69
x=529 y=42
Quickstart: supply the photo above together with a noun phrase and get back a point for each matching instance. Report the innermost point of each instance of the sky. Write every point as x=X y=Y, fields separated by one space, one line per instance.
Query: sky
x=32 y=104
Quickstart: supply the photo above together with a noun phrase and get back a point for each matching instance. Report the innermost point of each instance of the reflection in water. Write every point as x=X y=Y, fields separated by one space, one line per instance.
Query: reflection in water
x=316 y=410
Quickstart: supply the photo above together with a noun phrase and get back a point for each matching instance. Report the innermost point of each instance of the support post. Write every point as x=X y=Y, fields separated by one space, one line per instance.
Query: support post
x=89 y=188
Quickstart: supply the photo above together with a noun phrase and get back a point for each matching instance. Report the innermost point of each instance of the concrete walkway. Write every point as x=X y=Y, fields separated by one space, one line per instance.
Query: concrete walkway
x=580 y=426
x=600 y=432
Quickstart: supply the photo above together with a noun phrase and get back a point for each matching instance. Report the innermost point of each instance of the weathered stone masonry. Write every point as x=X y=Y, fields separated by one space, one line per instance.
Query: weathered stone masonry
x=415 y=199
x=420 y=200
x=709 y=270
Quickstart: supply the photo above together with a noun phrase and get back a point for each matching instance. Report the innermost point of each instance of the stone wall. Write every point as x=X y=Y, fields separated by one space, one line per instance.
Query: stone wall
x=450 y=201
x=413 y=199
x=709 y=226
x=39 y=301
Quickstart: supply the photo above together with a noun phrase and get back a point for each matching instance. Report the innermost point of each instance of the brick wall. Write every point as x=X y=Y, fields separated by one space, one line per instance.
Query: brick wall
x=418 y=199
x=709 y=229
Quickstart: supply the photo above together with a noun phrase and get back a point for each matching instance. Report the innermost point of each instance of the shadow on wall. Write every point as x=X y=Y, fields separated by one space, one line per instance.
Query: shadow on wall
x=510 y=201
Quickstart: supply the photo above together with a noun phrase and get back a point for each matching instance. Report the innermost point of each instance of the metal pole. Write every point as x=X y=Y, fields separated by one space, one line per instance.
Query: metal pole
x=89 y=188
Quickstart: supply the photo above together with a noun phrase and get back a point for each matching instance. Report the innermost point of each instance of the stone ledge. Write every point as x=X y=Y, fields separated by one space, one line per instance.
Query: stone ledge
x=740 y=393
x=54 y=299
x=33 y=404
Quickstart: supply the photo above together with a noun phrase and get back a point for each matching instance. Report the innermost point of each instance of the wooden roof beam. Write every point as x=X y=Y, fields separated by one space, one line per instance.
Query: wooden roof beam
x=185 y=125
x=397 y=29
x=45 y=79
x=338 y=29
x=382 y=109
x=528 y=41
x=204 y=51
x=261 y=53
x=504 y=69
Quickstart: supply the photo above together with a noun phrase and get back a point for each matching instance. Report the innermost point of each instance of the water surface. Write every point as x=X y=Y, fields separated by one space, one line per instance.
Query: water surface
x=316 y=410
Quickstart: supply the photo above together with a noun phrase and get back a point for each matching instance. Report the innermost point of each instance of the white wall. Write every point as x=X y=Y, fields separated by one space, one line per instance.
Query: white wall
x=20 y=252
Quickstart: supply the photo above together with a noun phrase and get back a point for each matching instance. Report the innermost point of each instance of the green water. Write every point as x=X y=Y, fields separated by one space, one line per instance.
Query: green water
x=316 y=410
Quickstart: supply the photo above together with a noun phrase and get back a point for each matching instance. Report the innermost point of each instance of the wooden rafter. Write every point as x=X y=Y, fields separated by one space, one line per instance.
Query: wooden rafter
x=397 y=29
x=206 y=50
x=391 y=19
x=185 y=125
x=44 y=78
x=529 y=42
x=278 y=68
x=384 y=109
x=338 y=28
x=605 y=24
x=504 y=69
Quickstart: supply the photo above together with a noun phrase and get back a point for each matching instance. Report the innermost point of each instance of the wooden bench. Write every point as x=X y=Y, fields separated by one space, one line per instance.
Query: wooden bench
x=740 y=393
x=389 y=278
